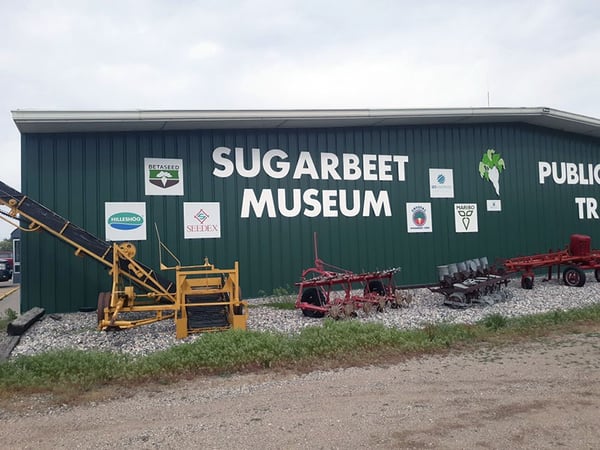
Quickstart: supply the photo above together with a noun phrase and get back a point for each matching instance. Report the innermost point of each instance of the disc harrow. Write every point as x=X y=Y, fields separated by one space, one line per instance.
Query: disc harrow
x=327 y=290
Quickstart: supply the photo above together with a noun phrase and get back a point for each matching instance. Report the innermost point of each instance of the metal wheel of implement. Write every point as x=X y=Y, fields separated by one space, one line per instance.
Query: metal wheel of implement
x=402 y=298
x=349 y=310
x=336 y=312
x=597 y=274
x=527 y=282
x=103 y=302
x=381 y=305
x=574 y=276
x=313 y=296
x=367 y=307
x=457 y=300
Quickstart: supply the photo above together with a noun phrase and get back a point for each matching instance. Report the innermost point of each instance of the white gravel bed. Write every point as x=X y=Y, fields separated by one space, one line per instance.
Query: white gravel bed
x=78 y=330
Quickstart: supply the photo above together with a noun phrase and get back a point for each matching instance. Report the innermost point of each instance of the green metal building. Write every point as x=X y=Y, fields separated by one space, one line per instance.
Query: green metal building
x=381 y=188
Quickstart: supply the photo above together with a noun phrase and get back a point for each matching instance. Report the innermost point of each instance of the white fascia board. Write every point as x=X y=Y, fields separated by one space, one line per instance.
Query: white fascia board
x=36 y=121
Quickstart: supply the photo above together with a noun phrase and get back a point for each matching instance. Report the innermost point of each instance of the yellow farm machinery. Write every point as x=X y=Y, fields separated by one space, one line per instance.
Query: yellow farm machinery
x=203 y=298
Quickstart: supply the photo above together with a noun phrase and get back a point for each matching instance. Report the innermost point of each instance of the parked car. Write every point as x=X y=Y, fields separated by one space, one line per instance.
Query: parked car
x=5 y=270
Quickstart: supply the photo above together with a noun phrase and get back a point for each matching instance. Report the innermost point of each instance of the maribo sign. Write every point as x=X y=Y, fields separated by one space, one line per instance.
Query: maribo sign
x=276 y=164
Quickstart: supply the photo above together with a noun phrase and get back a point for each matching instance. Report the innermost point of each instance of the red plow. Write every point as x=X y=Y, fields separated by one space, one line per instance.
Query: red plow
x=577 y=257
x=327 y=290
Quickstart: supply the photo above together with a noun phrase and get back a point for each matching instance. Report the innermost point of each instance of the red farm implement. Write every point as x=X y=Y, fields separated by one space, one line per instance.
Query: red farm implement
x=577 y=257
x=327 y=290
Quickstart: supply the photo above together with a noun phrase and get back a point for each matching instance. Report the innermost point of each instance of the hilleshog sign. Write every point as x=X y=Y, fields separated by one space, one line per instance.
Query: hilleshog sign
x=125 y=221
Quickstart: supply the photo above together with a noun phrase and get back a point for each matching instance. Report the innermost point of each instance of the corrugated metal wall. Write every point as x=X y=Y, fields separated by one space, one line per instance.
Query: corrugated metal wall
x=74 y=174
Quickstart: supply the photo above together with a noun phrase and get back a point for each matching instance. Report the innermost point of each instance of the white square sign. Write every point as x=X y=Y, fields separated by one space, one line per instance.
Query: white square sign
x=125 y=221
x=441 y=183
x=494 y=205
x=163 y=176
x=465 y=217
x=202 y=220
x=418 y=218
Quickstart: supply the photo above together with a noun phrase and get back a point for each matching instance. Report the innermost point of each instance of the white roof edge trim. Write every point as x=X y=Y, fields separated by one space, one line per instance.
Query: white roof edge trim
x=92 y=115
x=44 y=120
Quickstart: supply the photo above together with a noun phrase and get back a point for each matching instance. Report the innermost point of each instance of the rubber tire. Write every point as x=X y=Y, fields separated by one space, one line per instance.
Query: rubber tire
x=375 y=286
x=574 y=276
x=527 y=283
x=313 y=296
x=597 y=274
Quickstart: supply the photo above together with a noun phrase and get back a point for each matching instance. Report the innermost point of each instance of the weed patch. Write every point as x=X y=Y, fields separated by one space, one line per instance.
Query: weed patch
x=8 y=316
x=494 y=322
x=332 y=344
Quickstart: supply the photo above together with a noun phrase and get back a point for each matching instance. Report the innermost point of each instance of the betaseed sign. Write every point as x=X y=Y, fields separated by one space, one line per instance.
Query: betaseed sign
x=276 y=163
x=125 y=221
x=163 y=176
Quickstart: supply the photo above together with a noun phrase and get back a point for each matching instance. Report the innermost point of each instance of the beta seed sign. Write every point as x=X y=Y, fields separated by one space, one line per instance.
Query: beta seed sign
x=163 y=176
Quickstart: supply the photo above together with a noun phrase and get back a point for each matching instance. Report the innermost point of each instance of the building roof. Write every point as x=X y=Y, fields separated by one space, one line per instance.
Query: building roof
x=65 y=121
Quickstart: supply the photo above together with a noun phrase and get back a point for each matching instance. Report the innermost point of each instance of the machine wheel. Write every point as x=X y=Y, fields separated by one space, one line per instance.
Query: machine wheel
x=103 y=302
x=597 y=274
x=527 y=282
x=457 y=300
x=574 y=276
x=375 y=286
x=314 y=296
x=336 y=312
x=350 y=310
x=367 y=308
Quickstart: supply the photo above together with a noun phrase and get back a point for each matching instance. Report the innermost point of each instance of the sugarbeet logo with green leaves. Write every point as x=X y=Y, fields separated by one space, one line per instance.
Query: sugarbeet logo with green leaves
x=490 y=168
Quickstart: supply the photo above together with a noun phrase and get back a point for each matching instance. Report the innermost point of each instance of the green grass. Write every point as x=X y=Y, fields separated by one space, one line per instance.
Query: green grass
x=335 y=344
x=8 y=316
x=495 y=322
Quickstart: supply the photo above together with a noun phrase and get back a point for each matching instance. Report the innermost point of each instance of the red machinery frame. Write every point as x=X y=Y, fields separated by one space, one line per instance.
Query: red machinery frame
x=319 y=292
x=577 y=257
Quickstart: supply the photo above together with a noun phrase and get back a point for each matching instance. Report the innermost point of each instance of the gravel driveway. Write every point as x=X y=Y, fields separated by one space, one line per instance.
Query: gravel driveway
x=543 y=394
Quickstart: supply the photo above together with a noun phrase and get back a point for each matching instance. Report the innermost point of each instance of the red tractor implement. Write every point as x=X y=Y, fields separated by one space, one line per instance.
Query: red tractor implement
x=576 y=258
x=327 y=290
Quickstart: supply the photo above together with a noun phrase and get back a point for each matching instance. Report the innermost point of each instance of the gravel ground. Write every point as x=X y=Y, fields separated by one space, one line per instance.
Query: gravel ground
x=539 y=394
x=533 y=395
x=78 y=330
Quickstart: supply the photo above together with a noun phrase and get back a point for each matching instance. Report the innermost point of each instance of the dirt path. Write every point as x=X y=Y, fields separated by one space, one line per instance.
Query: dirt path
x=544 y=394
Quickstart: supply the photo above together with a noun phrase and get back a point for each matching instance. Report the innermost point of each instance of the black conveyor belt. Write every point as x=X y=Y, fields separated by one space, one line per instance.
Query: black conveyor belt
x=52 y=222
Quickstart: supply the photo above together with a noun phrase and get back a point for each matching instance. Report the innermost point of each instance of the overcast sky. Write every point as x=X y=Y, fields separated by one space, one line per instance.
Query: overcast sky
x=234 y=54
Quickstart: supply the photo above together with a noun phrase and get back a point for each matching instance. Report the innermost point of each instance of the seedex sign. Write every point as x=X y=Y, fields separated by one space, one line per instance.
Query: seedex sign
x=202 y=220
